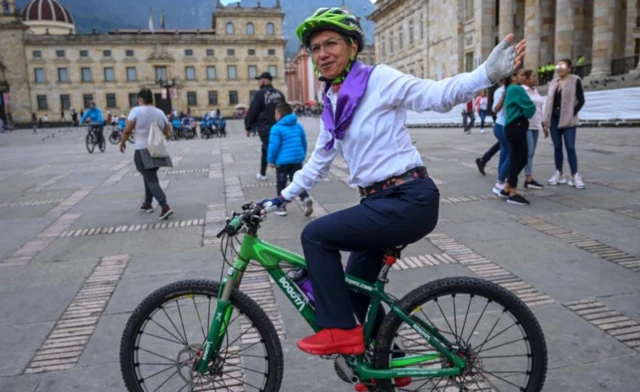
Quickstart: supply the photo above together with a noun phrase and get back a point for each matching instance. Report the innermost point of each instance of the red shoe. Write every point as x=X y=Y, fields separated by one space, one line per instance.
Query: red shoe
x=400 y=382
x=334 y=341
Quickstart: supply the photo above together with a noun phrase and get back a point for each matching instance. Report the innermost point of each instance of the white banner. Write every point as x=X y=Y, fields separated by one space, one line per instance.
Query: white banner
x=617 y=104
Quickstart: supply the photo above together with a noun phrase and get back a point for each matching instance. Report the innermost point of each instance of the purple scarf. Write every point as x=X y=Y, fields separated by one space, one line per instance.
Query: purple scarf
x=352 y=90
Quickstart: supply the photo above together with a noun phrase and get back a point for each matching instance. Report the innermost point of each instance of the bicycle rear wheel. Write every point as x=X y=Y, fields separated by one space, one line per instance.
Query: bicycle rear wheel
x=494 y=330
x=89 y=142
x=168 y=329
x=114 y=138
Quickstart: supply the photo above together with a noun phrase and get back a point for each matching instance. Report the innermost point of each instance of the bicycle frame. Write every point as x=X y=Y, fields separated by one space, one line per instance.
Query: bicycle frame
x=270 y=256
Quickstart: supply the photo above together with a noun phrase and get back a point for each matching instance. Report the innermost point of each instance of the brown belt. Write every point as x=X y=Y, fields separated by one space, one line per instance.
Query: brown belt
x=408 y=176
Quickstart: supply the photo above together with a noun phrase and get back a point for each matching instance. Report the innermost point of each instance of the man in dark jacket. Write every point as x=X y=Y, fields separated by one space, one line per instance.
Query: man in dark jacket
x=261 y=115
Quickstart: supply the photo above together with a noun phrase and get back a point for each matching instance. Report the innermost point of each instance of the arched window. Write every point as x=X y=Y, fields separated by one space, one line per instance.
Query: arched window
x=270 y=29
x=229 y=28
x=250 y=28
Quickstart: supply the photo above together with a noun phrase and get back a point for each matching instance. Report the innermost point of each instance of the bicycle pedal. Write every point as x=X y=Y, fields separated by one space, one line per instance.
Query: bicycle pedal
x=330 y=357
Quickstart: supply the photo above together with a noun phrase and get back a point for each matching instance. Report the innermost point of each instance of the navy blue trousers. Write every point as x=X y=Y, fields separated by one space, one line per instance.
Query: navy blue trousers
x=396 y=216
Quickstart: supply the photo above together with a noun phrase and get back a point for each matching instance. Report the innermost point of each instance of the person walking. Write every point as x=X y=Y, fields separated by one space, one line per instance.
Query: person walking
x=518 y=110
x=482 y=161
x=535 y=124
x=468 y=119
x=565 y=98
x=140 y=118
x=482 y=103
x=400 y=202
x=261 y=115
x=287 y=152
x=498 y=131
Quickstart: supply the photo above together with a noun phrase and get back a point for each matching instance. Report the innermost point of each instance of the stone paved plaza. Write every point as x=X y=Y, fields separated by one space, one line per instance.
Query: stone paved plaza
x=68 y=222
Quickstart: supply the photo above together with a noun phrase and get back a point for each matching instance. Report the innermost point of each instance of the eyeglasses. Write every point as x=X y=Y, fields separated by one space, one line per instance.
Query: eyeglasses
x=329 y=45
x=561 y=66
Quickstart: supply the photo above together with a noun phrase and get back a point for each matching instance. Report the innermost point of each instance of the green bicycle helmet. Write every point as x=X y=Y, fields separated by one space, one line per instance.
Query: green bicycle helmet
x=334 y=19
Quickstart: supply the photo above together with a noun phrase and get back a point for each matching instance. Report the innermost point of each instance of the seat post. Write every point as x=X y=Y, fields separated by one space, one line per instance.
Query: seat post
x=391 y=255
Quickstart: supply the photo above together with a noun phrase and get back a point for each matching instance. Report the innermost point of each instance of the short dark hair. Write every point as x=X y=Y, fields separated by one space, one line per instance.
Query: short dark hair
x=284 y=108
x=567 y=61
x=146 y=95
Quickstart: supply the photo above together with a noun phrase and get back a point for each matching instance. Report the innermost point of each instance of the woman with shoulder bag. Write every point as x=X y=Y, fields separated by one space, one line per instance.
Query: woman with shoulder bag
x=141 y=119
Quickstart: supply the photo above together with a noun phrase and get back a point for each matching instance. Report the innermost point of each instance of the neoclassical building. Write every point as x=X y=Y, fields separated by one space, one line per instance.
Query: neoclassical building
x=45 y=67
x=437 y=39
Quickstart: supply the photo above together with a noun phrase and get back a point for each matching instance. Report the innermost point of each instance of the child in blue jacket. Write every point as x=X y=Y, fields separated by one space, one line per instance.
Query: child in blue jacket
x=287 y=151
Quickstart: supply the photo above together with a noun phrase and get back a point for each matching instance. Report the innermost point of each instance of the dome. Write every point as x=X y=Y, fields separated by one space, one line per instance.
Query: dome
x=48 y=16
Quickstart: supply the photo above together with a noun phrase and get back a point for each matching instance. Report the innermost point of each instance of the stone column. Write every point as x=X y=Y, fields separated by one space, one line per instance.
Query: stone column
x=564 y=30
x=578 y=30
x=547 y=33
x=532 y=21
x=603 y=30
x=632 y=14
x=506 y=19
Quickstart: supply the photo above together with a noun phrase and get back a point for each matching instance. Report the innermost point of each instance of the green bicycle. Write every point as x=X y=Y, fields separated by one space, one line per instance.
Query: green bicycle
x=451 y=334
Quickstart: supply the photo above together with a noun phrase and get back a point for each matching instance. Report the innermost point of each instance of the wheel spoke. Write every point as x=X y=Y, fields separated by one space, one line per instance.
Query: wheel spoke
x=501 y=345
x=160 y=372
x=502 y=379
x=445 y=317
x=464 y=323
x=182 y=323
x=505 y=356
x=455 y=318
x=157 y=355
x=479 y=318
x=492 y=328
x=169 y=332
x=495 y=336
x=204 y=335
x=174 y=325
x=167 y=380
x=161 y=338
x=243 y=381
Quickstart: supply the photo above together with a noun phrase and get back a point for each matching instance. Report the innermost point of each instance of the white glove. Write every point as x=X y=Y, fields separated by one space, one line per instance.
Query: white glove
x=501 y=61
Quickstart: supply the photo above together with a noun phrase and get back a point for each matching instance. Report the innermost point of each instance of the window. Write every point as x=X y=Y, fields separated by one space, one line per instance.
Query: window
x=188 y=52
x=468 y=62
x=229 y=28
x=84 y=53
x=209 y=52
x=211 y=72
x=421 y=27
x=190 y=73
x=63 y=75
x=42 y=102
x=59 y=53
x=133 y=100
x=37 y=54
x=106 y=53
x=87 y=99
x=233 y=97
x=192 y=99
x=400 y=37
x=231 y=52
x=86 y=74
x=111 y=101
x=109 y=75
x=391 y=42
x=132 y=74
x=65 y=101
x=161 y=73
x=213 y=97
x=253 y=71
x=252 y=94
x=411 y=32
x=129 y=53
x=272 y=52
x=231 y=72
x=468 y=9
x=383 y=46
x=251 y=52
x=270 y=29
x=250 y=29
x=39 y=75
x=273 y=70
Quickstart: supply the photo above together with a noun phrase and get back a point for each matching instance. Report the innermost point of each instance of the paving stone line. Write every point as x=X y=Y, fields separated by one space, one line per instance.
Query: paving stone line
x=631 y=211
x=214 y=221
x=175 y=161
x=32 y=248
x=131 y=228
x=30 y=203
x=114 y=179
x=271 y=183
x=609 y=253
x=173 y=172
x=486 y=269
x=256 y=285
x=71 y=333
x=611 y=321
x=427 y=260
x=70 y=202
x=47 y=183
x=120 y=165
x=467 y=198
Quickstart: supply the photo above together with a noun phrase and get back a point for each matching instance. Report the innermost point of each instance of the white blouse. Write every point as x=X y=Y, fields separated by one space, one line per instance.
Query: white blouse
x=535 y=122
x=377 y=144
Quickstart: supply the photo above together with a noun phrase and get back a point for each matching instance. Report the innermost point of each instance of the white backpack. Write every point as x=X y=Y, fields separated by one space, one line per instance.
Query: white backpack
x=156 y=143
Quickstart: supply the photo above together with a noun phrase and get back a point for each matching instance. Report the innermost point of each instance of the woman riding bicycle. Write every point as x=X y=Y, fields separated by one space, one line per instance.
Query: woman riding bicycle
x=363 y=119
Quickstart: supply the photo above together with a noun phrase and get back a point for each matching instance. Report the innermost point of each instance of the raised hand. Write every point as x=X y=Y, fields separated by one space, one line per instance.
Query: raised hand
x=505 y=58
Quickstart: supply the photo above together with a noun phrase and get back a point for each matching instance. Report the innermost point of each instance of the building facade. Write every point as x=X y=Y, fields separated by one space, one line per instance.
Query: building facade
x=47 y=68
x=438 y=39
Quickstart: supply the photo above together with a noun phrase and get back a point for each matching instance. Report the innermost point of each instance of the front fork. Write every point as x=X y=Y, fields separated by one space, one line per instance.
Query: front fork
x=220 y=322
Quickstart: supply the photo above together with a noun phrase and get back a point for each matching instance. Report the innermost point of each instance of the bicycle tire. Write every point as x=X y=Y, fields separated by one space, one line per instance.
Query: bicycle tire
x=474 y=287
x=89 y=143
x=102 y=145
x=132 y=139
x=114 y=138
x=177 y=290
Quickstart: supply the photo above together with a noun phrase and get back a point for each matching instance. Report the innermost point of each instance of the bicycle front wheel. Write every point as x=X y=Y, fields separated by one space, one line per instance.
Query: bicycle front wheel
x=168 y=329
x=487 y=325
x=89 y=143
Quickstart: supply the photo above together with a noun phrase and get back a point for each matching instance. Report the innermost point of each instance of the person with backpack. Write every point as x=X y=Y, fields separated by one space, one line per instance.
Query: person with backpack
x=287 y=152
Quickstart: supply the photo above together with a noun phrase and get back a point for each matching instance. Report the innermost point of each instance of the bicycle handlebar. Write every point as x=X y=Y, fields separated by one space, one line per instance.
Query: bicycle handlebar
x=252 y=212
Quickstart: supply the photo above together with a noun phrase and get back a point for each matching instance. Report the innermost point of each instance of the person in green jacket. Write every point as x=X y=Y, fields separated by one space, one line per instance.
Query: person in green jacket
x=519 y=108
